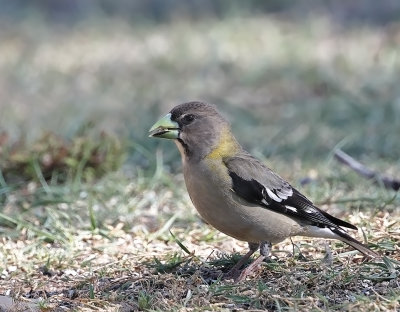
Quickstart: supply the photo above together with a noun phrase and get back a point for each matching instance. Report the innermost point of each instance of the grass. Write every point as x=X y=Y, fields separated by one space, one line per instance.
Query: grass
x=96 y=239
x=126 y=261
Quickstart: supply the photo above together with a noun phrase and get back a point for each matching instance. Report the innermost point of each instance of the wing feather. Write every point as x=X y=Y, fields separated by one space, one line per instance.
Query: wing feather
x=256 y=184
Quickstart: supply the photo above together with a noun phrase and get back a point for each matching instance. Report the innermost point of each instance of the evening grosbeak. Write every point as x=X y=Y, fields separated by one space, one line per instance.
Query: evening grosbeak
x=236 y=193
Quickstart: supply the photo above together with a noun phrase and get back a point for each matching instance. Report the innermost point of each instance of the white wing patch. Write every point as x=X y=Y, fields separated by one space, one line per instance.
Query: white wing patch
x=309 y=210
x=284 y=193
x=278 y=195
x=291 y=208
x=273 y=196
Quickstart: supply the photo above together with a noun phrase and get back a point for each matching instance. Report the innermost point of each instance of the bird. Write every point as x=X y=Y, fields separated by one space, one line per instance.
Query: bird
x=237 y=193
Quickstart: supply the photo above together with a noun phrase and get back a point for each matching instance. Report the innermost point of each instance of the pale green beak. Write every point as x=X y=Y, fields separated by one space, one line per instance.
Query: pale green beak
x=165 y=128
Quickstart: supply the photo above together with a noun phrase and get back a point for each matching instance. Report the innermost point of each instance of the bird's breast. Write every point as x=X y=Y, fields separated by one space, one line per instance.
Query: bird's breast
x=210 y=189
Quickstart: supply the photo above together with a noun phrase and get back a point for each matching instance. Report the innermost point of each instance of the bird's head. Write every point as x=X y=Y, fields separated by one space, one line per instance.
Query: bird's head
x=197 y=128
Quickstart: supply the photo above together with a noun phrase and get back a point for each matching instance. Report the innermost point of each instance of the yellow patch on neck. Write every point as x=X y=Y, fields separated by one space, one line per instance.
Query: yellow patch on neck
x=227 y=146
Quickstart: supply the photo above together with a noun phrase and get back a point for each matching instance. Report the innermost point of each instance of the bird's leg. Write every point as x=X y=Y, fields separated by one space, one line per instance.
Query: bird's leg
x=235 y=271
x=265 y=249
x=294 y=246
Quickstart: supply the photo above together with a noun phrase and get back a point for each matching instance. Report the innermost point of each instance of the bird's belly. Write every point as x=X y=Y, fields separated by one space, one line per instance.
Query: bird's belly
x=247 y=223
x=251 y=224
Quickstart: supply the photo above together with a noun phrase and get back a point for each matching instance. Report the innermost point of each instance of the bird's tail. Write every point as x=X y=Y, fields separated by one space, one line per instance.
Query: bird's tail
x=343 y=236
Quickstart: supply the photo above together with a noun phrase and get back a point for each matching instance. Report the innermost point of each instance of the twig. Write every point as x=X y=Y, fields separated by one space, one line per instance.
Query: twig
x=349 y=161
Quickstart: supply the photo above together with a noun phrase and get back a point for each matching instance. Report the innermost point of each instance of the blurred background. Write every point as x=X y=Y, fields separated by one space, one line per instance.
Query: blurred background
x=86 y=79
x=84 y=190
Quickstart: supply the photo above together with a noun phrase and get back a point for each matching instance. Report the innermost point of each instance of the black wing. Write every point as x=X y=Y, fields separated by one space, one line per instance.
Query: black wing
x=278 y=195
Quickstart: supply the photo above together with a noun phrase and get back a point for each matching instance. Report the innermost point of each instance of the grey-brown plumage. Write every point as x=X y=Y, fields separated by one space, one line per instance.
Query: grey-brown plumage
x=235 y=192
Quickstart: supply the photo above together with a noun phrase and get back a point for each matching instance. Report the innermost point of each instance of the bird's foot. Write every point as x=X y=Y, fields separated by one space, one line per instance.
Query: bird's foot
x=235 y=271
x=232 y=274
x=250 y=269
x=240 y=275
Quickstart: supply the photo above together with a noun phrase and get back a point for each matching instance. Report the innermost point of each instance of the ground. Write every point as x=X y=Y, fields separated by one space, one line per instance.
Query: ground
x=100 y=236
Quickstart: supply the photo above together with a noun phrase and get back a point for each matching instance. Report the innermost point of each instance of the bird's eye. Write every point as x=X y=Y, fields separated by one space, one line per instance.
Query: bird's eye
x=187 y=119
